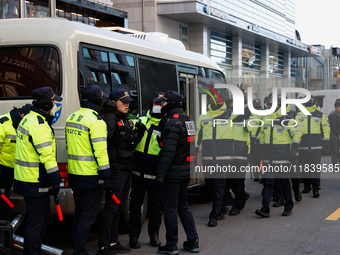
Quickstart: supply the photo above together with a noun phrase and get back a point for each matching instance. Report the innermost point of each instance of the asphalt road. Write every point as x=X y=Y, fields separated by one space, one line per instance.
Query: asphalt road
x=305 y=232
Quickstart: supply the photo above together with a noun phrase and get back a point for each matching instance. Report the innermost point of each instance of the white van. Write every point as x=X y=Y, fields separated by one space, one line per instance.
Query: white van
x=326 y=99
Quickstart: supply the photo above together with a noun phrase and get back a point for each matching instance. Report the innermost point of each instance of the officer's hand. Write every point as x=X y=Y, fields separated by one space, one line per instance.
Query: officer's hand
x=54 y=191
x=107 y=185
x=159 y=180
x=140 y=129
x=292 y=155
x=326 y=148
x=293 y=152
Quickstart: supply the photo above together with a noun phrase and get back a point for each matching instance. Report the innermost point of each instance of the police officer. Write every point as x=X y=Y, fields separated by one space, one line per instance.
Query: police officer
x=174 y=173
x=8 y=132
x=314 y=142
x=254 y=139
x=121 y=142
x=241 y=150
x=216 y=137
x=143 y=178
x=36 y=173
x=88 y=164
x=334 y=123
x=280 y=138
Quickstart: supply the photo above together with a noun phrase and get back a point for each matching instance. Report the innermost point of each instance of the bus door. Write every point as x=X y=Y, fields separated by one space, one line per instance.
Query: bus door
x=187 y=88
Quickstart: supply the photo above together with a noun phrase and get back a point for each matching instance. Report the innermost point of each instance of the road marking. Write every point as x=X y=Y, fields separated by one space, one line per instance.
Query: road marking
x=334 y=216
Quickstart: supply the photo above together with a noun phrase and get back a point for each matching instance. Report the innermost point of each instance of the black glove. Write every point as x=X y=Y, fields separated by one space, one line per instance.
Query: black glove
x=326 y=150
x=54 y=191
x=107 y=185
x=140 y=129
x=197 y=150
x=293 y=152
x=159 y=180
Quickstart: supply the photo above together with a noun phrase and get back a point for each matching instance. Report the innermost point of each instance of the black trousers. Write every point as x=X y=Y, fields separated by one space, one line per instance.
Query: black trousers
x=269 y=180
x=334 y=148
x=6 y=180
x=236 y=183
x=174 y=199
x=217 y=187
x=108 y=232
x=310 y=178
x=38 y=212
x=87 y=208
x=139 y=187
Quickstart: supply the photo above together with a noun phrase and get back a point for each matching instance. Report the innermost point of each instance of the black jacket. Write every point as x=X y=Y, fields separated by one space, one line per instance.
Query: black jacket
x=121 y=141
x=173 y=162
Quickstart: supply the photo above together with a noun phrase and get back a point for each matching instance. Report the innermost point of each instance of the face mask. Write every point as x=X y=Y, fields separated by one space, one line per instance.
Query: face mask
x=54 y=109
x=215 y=107
x=309 y=104
x=257 y=107
x=156 y=109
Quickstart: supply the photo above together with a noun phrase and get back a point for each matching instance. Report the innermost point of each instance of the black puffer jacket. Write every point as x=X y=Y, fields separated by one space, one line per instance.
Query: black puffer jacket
x=173 y=162
x=121 y=140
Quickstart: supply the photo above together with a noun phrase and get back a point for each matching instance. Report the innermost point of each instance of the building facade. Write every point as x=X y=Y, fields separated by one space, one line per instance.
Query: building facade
x=98 y=13
x=253 y=41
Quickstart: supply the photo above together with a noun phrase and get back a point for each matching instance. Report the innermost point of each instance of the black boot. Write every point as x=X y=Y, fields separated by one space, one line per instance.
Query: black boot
x=134 y=243
x=154 y=241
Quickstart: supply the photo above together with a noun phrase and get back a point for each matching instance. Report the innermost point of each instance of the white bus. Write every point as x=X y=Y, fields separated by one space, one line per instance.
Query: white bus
x=69 y=56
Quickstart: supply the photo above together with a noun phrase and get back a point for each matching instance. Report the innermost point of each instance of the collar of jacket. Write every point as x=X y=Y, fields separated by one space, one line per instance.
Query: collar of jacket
x=217 y=112
x=175 y=110
x=46 y=116
x=311 y=108
x=15 y=116
x=92 y=106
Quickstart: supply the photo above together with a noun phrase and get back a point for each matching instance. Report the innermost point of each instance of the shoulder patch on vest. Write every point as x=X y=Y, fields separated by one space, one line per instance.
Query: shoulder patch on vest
x=98 y=117
x=3 y=120
x=40 y=120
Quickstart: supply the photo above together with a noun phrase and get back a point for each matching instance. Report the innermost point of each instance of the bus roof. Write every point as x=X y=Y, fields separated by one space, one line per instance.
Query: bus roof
x=67 y=34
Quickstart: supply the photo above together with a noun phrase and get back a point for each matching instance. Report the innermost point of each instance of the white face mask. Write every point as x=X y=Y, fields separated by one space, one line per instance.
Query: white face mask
x=156 y=109
x=54 y=109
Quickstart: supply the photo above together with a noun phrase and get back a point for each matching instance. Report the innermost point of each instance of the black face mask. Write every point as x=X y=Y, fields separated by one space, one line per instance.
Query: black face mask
x=258 y=107
x=309 y=104
x=215 y=107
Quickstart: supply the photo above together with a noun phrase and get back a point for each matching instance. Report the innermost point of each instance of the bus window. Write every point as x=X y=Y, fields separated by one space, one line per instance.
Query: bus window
x=155 y=76
x=23 y=69
x=110 y=70
x=97 y=69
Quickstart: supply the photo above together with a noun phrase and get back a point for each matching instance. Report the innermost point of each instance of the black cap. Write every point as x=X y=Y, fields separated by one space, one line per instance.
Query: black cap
x=120 y=94
x=25 y=109
x=157 y=95
x=93 y=93
x=45 y=93
x=171 y=95
x=337 y=102
x=257 y=102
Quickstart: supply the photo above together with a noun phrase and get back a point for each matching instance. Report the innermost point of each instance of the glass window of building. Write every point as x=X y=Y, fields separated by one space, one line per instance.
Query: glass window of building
x=251 y=55
x=37 y=9
x=80 y=14
x=293 y=68
x=9 y=9
x=276 y=62
x=221 y=48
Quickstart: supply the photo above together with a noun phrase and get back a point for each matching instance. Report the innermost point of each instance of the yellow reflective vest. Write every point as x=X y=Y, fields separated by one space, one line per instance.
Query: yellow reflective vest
x=148 y=148
x=277 y=135
x=315 y=128
x=35 y=168
x=86 y=137
x=8 y=136
x=216 y=133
